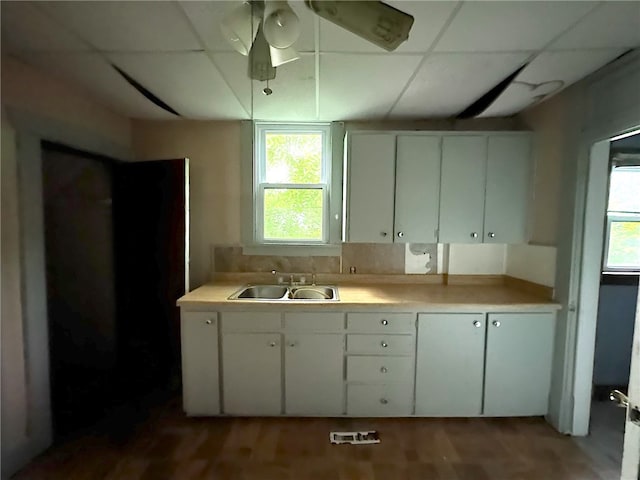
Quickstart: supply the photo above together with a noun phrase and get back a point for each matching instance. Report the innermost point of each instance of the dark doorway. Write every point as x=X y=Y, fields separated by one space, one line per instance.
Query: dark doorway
x=115 y=256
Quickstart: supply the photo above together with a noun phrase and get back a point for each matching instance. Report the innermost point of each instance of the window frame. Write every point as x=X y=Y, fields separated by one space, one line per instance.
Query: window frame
x=260 y=185
x=613 y=216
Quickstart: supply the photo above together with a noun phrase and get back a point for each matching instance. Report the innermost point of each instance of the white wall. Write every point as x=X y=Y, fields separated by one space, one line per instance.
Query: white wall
x=534 y=263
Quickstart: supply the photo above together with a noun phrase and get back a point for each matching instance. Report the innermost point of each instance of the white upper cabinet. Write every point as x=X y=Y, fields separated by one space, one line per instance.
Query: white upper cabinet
x=485 y=188
x=371 y=188
x=462 y=188
x=417 y=189
x=508 y=187
x=394 y=186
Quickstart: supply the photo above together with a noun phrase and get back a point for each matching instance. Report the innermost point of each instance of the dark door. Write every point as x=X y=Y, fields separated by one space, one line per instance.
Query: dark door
x=115 y=257
x=149 y=208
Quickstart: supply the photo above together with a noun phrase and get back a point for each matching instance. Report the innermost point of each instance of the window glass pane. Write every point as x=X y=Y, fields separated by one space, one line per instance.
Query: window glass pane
x=624 y=245
x=623 y=190
x=293 y=214
x=293 y=157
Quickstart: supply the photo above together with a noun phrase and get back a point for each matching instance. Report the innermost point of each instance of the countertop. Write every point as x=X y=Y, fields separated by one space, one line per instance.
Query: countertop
x=382 y=297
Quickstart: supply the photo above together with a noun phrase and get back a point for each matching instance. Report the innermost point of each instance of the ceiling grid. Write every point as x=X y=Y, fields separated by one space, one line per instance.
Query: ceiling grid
x=456 y=51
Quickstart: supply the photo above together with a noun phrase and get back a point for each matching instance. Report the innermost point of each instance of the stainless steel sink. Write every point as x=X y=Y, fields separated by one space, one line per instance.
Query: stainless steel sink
x=266 y=293
x=261 y=292
x=313 y=293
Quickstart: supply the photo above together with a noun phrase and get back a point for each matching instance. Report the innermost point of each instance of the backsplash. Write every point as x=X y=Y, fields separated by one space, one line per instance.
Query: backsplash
x=366 y=258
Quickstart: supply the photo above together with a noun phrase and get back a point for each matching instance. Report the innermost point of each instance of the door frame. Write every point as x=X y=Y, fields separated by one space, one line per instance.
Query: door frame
x=611 y=105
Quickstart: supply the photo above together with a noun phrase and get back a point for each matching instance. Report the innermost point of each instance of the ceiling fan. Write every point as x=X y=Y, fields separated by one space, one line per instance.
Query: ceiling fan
x=265 y=30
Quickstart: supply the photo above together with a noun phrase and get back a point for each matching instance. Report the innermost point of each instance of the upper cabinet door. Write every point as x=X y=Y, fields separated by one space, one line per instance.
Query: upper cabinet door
x=371 y=185
x=508 y=174
x=462 y=189
x=417 y=189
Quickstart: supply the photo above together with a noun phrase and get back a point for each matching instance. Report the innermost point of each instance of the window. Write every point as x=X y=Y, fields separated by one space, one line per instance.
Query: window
x=292 y=184
x=622 y=243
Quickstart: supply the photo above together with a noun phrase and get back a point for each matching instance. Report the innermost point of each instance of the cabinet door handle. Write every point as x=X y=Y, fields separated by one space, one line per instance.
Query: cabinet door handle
x=491 y=235
x=383 y=234
x=384 y=401
x=292 y=344
x=384 y=344
x=474 y=234
x=384 y=322
x=400 y=234
x=383 y=370
x=273 y=344
x=208 y=321
x=496 y=323
x=477 y=324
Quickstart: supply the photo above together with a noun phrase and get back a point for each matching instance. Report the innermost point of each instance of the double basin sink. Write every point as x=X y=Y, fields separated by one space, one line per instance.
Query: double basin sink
x=286 y=293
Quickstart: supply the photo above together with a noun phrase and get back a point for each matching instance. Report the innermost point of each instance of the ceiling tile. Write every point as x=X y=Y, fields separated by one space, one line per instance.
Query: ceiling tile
x=127 y=26
x=509 y=26
x=26 y=28
x=187 y=82
x=568 y=67
x=92 y=72
x=613 y=24
x=447 y=83
x=294 y=88
x=362 y=86
x=429 y=19
x=206 y=16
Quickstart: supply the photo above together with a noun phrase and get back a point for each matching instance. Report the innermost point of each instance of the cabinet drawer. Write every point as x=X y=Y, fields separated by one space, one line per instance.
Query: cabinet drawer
x=251 y=321
x=379 y=369
x=379 y=400
x=314 y=322
x=380 y=344
x=381 y=322
x=208 y=318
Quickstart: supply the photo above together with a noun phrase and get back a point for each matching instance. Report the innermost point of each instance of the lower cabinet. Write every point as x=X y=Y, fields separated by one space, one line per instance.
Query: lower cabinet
x=313 y=365
x=476 y=364
x=251 y=373
x=200 y=382
x=379 y=400
x=518 y=364
x=450 y=364
x=366 y=363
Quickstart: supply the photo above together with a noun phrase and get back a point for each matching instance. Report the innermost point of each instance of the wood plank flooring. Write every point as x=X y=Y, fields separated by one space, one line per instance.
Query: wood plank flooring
x=168 y=445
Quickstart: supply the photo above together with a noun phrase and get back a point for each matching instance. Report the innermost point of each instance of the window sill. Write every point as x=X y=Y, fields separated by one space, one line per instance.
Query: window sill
x=293 y=250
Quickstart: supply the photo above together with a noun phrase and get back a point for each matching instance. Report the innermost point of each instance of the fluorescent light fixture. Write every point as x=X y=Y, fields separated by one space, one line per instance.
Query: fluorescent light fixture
x=239 y=27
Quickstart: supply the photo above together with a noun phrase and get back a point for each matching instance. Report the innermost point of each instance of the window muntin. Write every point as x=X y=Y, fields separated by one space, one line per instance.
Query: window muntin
x=622 y=242
x=292 y=184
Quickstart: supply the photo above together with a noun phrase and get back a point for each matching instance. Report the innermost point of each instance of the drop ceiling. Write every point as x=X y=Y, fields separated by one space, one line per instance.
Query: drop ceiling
x=456 y=52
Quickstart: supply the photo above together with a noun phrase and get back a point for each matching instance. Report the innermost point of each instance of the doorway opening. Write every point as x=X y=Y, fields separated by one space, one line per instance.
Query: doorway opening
x=617 y=296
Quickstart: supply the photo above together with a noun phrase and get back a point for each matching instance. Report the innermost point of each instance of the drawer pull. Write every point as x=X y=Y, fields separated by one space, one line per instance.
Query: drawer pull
x=383 y=370
x=477 y=324
x=384 y=344
x=208 y=321
x=385 y=322
x=496 y=323
x=384 y=401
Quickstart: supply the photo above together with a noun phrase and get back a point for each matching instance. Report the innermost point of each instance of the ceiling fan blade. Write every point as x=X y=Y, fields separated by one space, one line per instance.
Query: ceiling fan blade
x=376 y=22
x=260 y=67
x=480 y=105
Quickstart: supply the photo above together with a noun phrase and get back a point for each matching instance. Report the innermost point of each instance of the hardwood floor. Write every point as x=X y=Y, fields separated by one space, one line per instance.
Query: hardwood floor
x=169 y=445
